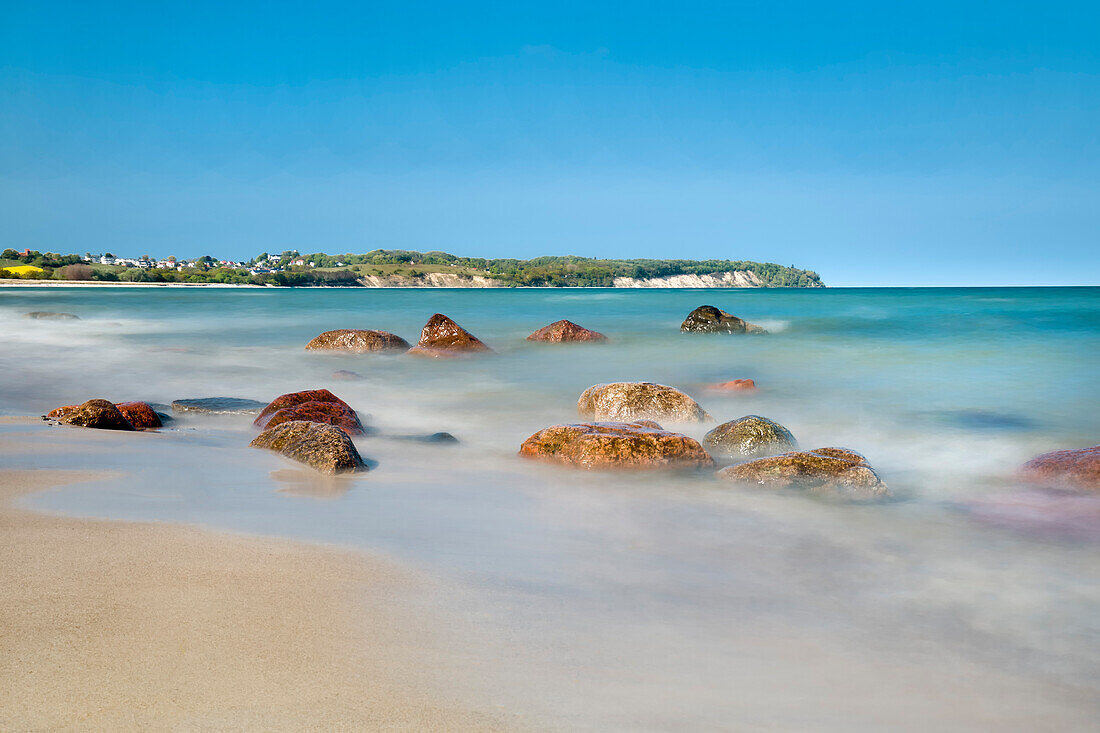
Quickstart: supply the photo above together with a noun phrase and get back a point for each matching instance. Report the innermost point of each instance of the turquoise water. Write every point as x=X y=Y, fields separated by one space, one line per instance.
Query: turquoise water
x=632 y=602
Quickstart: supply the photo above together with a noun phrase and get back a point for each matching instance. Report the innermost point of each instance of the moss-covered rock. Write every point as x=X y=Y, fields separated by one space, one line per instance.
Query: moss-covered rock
x=750 y=436
x=834 y=472
x=441 y=337
x=629 y=401
x=326 y=448
x=99 y=414
x=358 y=341
x=642 y=444
x=709 y=319
x=566 y=331
x=1079 y=469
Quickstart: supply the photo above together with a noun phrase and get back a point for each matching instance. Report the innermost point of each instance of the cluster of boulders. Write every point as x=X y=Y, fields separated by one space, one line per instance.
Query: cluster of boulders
x=107 y=415
x=313 y=427
x=442 y=337
x=625 y=434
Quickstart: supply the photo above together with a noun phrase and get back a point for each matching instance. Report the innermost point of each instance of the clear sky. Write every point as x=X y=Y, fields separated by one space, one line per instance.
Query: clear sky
x=893 y=143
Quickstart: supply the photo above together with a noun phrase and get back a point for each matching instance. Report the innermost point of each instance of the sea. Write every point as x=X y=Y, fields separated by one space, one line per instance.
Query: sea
x=626 y=601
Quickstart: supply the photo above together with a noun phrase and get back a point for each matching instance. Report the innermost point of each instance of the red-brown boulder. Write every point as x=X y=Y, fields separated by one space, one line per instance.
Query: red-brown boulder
x=564 y=331
x=140 y=414
x=442 y=337
x=296 y=398
x=636 y=445
x=324 y=413
x=1078 y=469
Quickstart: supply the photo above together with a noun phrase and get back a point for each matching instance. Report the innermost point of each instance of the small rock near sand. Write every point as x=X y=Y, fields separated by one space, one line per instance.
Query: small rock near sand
x=99 y=414
x=326 y=448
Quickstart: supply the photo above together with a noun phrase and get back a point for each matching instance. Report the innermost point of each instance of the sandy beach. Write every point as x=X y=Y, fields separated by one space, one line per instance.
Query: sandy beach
x=108 y=625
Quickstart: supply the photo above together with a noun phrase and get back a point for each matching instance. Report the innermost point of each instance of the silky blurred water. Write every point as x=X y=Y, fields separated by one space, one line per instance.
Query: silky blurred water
x=644 y=602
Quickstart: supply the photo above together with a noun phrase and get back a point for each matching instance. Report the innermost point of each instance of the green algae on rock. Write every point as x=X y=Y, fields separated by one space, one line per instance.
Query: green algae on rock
x=357 y=341
x=641 y=444
x=629 y=401
x=834 y=472
x=709 y=319
x=750 y=436
x=325 y=448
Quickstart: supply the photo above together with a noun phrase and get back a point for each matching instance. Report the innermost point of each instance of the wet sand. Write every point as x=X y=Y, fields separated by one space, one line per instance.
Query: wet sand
x=109 y=625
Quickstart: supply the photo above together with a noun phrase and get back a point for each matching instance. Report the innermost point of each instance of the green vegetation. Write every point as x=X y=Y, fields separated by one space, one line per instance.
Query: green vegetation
x=330 y=270
x=567 y=271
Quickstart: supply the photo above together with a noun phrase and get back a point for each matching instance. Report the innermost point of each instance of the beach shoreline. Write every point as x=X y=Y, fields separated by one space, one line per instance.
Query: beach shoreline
x=120 y=625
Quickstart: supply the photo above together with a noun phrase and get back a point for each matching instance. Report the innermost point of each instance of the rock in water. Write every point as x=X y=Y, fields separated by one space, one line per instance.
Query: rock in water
x=642 y=444
x=430 y=438
x=358 y=341
x=325 y=413
x=140 y=414
x=629 y=401
x=708 y=319
x=324 y=447
x=218 y=405
x=297 y=398
x=1073 y=468
x=750 y=436
x=564 y=331
x=51 y=316
x=834 y=472
x=343 y=375
x=100 y=414
x=442 y=337
x=734 y=385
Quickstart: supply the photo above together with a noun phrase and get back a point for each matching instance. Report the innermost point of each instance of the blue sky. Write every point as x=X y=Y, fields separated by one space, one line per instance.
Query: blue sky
x=876 y=143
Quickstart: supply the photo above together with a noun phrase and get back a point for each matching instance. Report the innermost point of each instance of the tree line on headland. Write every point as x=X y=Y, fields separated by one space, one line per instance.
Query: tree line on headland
x=291 y=268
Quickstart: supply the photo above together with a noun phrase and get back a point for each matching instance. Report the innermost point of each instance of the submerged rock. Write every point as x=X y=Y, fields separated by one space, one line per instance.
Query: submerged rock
x=343 y=375
x=140 y=414
x=734 y=385
x=358 y=341
x=835 y=472
x=709 y=319
x=99 y=414
x=291 y=399
x=442 y=338
x=326 y=413
x=218 y=405
x=1079 y=469
x=52 y=316
x=629 y=401
x=324 y=447
x=641 y=444
x=566 y=331
x=430 y=438
x=749 y=437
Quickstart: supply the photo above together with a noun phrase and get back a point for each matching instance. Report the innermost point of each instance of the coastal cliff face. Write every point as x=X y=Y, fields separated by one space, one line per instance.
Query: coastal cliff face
x=429 y=280
x=735 y=279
